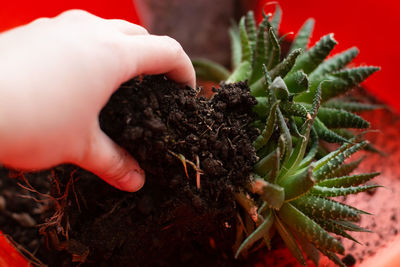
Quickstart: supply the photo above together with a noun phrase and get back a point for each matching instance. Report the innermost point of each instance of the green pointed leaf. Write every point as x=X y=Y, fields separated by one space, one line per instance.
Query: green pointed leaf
x=310 y=230
x=286 y=65
x=262 y=107
x=269 y=128
x=350 y=106
x=345 y=169
x=298 y=184
x=335 y=63
x=294 y=130
x=324 y=208
x=323 y=191
x=338 y=83
x=325 y=134
x=282 y=146
x=357 y=75
x=323 y=161
x=336 y=118
x=236 y=47
x=316 y=102
x=273 y=175
x=260 y=53
x=263 y=209
x=241 y=73
x=329 y=226
x=312 y=151
x=347 y=181
x=208 y=70
x=297 y=82
x=276 y=19
x=301 y=149
x=310 y=60
x=333 y=257
x=303 y=36
x=298 y=153
x=286 y=136
x=347 y=134
x=324 y=171
x=349 y=226
x=251 y=29
x=259 y=88
x=245 y=43
x=345 y=80
x=267 y=77
x=293 y=109
x=309 y=249
x=259 y=233
x=289 y=240
x=263 y=166
x=275 y=56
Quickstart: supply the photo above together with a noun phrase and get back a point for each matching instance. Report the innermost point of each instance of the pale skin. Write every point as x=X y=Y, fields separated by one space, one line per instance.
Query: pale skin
x=56 y=75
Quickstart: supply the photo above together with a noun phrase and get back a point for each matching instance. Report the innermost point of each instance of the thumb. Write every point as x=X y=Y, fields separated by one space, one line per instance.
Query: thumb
x=112 y=163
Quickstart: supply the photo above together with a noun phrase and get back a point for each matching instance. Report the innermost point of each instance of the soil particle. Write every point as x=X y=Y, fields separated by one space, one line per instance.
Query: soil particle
x=349 y=260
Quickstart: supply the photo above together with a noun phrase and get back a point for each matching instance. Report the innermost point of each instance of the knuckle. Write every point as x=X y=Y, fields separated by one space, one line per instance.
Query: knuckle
x=174 y=46
x=137 y=29
x=118 y=169
x=142 y=30
x=40 y=21
x=75 y=14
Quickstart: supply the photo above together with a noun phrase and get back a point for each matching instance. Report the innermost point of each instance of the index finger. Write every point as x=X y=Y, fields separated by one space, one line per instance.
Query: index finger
x=152 y=54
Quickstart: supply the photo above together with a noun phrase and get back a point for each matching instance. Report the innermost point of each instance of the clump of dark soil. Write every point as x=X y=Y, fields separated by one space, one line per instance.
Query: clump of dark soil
x=196 y=153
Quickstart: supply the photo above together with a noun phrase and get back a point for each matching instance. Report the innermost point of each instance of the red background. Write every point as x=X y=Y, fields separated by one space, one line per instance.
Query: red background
x=18 y=12
x=369 y=24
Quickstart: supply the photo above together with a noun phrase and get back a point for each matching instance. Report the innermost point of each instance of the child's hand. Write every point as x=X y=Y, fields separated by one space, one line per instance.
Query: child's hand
x=55 y=77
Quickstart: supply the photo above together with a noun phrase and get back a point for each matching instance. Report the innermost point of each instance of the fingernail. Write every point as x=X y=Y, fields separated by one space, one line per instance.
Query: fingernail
x=132 y=182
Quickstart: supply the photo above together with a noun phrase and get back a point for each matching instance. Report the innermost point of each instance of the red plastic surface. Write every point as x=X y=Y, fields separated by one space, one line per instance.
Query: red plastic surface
x=370 y=25
x=18 y=12
x=9 y=256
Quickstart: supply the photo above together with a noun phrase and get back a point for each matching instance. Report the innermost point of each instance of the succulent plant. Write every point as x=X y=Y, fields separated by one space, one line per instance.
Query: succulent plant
x=297 y=107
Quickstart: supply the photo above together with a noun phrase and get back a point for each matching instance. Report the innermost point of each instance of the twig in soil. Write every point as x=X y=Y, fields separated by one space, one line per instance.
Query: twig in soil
x=198 y=91
x=196 y=167
x=198 y=173
x=167 y=227
x=60 y=203
x=183 y=160
x=74 y=190
x=30 y=197
x=209 y=128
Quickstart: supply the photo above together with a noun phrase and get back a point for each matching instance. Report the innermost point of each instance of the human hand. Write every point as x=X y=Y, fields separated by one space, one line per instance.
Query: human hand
x=55 y=77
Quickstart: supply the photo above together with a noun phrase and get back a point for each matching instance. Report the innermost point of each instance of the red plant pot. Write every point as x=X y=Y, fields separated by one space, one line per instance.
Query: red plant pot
x=9 y=255
x=353 y=26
